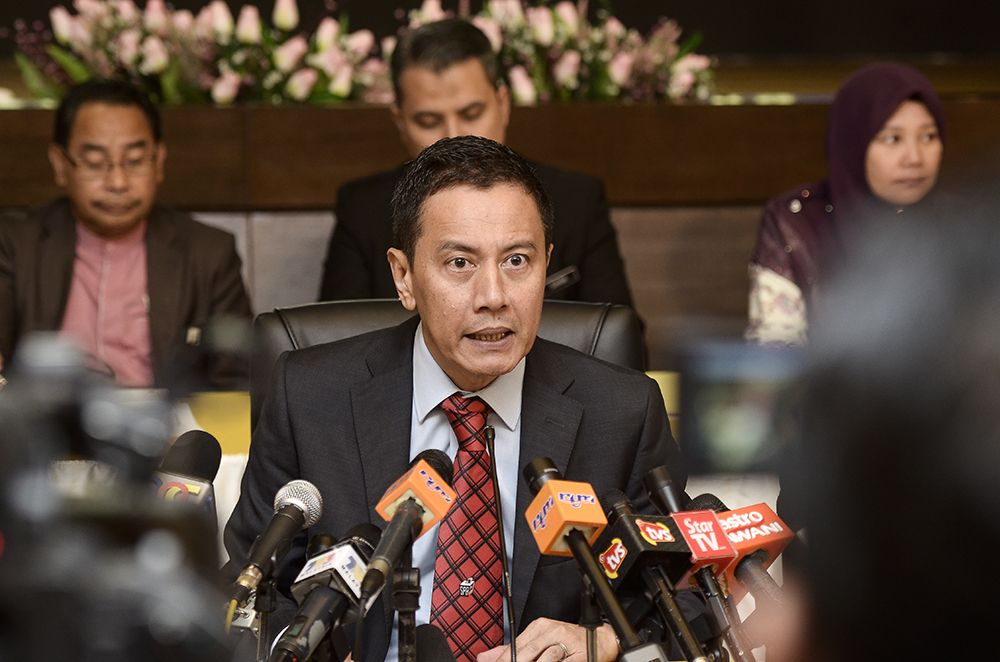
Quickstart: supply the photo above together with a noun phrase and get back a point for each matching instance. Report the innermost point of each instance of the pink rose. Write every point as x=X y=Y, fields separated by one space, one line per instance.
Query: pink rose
x=543 y=28
x=155 y=17
x=248 y=27
x=360 y=43
x=92 y=10
x=203 y=23
x=431 y=11
x=301 y=84
x=288 y=55
x=326 y=33
x=507 y=12
x=567 y=69
x=62 y=23
x=491 y=29
x=388 y=46
x=225 y=89
x=154 y=56
x=522 y=87
x=680 y=84
x=329 y=61
x=340 y=85
x=286 y=15
x=222 y=21
x=127 y=11
x=620 y=68
x=614 y=30
x=183 y=21
x=568 y=16
x=128 y=46
x=80 y=36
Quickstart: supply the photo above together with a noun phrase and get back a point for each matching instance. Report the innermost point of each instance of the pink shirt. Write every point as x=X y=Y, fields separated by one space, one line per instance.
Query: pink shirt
x=107 y=312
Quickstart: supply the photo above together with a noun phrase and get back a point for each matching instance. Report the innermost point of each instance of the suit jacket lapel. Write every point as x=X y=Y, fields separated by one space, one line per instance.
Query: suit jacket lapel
x=54 y=271
x=549 y=425
x=382 y=410
x=166 y=267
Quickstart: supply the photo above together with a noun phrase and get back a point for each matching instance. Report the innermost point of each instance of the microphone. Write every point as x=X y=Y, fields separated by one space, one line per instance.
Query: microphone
x=188 y=469
x=412 y=506
x=432 y=645
x=759 y=536
x=328 y=585
x=711 y=554
x=565 y=518
x=298 y=505
x=648 y=550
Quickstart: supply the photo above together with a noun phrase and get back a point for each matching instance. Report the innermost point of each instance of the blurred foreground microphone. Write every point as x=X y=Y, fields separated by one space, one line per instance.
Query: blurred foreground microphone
x=298 y=505
x=328 y=585
x=711 y=554
x=188 y=469
x=412 y=506
x=432 y=645
x=565 y=519
x=649 y=551
x=759 y=536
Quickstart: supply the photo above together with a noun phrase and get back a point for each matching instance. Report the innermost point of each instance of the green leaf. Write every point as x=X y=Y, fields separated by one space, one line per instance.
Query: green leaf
x=74 y=67
x=39 y=85
x=689 y=45
x=170 y=84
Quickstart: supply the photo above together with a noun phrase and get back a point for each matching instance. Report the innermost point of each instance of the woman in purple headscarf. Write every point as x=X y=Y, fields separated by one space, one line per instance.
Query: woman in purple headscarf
x=884 y=142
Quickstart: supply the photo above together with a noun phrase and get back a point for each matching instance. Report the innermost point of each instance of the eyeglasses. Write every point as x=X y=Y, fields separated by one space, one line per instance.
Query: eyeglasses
x=131 y=167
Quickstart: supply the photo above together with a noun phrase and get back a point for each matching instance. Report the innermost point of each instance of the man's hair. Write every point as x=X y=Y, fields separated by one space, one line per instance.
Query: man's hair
x=111 y=92
x=442 y=44
x=472 y=161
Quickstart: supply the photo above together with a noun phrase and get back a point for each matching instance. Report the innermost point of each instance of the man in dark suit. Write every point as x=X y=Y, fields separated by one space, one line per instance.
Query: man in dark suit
x=474 y=233
x=448 y=83
x=131 y=282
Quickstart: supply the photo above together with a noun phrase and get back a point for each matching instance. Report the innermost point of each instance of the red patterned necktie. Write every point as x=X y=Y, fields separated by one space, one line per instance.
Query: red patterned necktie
x=467 y=600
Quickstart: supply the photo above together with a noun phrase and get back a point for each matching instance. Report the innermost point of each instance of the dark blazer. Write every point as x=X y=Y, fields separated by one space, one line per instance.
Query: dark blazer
x=356 y=266
x=193 y=277
x=339 y=415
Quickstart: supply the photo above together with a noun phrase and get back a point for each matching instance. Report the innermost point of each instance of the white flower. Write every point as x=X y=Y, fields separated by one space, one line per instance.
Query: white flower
x=62 y=23
x=248 y=25
x=127 y=11
x=388 y=46
x=154 y=56
x=301 y=83
x=342 y=82
x=507 y=12
x=225 y=89
x=567 y=69
x=491 y=29
x=360 y=43
x=286 y=15
x=155 y=17
x=222 y=21
x=522 y=87
x=431 y=11
x=543 y=28
x=568 y=16
x=326 y=33
x=329 y=61
x=128 y=46
x=620 y=68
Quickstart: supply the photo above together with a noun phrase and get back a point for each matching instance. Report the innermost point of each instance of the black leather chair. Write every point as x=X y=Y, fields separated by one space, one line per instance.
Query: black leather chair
x=607 y=331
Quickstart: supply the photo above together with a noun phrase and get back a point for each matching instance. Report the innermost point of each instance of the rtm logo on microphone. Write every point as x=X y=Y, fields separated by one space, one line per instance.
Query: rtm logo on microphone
x=540 y=520
x=576 y=499
x=702 y=532
x=611 y=559
x=434 y=486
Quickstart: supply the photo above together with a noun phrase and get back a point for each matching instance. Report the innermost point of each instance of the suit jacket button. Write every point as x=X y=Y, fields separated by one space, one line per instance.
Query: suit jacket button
x=795 y=206
x=829 y=209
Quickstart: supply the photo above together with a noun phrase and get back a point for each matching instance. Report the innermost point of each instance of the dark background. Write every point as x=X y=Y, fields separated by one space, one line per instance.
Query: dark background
x=768 y=28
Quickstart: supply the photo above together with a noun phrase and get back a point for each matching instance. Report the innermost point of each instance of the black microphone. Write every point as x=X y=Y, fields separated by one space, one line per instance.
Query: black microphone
x=432 y=645
x=328 y=585
x=667 y=497
x=188 y=469
x=412 y=505
x=648 y=551
x=558 y=516
x=298 y=505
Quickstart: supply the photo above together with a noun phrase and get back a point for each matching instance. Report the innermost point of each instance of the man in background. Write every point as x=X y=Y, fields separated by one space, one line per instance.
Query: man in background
x=133 y=284
x=448 y=83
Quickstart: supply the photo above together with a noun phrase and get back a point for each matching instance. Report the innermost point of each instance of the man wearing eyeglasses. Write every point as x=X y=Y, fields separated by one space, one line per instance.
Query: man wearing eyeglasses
x=132 y=283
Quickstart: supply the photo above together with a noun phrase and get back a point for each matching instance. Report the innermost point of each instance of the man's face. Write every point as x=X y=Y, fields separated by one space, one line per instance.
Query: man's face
x=111 y=167
x=477 y=279
x=458 y=101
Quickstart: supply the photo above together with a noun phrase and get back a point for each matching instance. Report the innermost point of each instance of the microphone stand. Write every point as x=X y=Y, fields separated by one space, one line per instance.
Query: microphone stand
x=590 y=618
x=505 y=565
x=264 y=605
x=406 y=601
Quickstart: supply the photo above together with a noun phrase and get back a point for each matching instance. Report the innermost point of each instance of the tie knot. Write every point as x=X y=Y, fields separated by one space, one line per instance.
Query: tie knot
x=468 y=419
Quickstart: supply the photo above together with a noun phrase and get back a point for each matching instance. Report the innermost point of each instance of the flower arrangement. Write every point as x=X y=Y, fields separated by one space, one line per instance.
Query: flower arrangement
x=550 y=53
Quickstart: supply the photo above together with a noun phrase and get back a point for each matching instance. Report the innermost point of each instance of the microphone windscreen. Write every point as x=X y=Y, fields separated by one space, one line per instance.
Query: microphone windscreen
x=195 y=453
x=303 y=495
x=707 y=502
x=432 y=646
x=365 y=535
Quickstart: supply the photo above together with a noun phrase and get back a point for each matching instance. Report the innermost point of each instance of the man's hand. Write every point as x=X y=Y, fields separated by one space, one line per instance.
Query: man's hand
x=542 y=638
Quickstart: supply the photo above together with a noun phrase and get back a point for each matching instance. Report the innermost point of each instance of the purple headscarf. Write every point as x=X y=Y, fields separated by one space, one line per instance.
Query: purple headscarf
x=861 y=108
